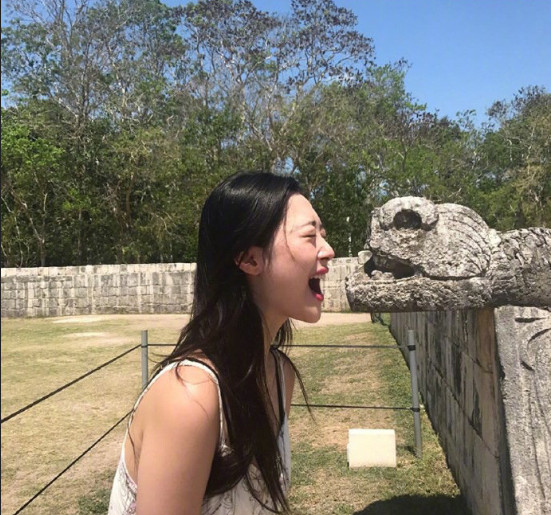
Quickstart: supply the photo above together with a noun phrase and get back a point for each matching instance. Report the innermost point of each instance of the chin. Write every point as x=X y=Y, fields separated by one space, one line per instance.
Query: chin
x=310 y=318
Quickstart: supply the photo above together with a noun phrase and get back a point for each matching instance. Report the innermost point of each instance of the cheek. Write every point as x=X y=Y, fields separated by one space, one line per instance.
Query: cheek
x=291 y=259
x=284 y=253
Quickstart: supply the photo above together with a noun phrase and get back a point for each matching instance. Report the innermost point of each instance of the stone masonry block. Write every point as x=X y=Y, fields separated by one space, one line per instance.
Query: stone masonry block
x=371 y=448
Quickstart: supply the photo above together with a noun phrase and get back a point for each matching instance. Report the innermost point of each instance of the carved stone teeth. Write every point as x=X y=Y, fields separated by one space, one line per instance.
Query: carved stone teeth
x=378 y=275
x=364 y=256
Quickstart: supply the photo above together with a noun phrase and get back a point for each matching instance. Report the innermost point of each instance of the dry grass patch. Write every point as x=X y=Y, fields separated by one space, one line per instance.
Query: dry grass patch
x=322 y=481
x=40 y=355
x=328 y=428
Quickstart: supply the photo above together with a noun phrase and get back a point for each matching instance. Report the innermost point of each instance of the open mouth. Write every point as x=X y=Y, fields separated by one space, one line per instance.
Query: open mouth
x=378 y=268
x=315 y=287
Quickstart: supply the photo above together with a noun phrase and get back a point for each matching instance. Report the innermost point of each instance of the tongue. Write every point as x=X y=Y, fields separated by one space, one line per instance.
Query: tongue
x=314 y=285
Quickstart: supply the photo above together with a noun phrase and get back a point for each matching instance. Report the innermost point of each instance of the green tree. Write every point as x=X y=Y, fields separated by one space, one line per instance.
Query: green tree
x=32 y=176
x=134 y=110
x=516 y=153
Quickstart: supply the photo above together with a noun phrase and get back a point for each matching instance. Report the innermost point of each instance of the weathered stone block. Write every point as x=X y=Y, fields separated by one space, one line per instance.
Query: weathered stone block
x=133 y=280
x=524 y=347
x=425 y=256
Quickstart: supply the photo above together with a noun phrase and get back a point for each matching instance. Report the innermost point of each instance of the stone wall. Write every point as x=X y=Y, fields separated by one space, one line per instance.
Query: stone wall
x=483 y=375
x=145 y=288
x=332 y=284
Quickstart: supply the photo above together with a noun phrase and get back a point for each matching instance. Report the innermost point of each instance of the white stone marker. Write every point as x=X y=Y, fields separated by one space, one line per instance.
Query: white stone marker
x=371 y=448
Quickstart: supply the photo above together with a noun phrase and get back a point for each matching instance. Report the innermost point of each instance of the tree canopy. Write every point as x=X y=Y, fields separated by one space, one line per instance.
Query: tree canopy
x=119 y=116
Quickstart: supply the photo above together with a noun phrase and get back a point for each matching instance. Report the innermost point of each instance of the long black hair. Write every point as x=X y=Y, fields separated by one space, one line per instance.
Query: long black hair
x=226 y=326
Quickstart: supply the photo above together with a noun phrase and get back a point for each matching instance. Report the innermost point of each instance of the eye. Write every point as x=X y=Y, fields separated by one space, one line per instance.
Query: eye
x=407 y=219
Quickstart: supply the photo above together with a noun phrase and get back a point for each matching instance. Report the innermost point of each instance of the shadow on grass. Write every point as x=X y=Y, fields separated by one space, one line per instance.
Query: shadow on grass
x=417 y=505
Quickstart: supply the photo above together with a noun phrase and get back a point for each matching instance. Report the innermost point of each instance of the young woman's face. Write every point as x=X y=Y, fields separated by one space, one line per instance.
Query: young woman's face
x=289 y=286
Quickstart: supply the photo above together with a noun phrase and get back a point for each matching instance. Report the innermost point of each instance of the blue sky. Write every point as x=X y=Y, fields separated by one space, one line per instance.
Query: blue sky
x=463 y=54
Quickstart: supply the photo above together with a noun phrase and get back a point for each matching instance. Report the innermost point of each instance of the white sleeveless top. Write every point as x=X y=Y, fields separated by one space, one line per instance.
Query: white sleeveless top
x=238 y=500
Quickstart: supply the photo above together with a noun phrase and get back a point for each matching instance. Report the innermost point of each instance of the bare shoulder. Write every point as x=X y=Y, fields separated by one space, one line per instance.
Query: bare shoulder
x=184 y=389
x=178 y=432
x=179 y=409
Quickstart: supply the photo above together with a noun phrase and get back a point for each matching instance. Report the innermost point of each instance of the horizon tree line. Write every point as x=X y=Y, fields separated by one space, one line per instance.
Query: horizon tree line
x=121 y=115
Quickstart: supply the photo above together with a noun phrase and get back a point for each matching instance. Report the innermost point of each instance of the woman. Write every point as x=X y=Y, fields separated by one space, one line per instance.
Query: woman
x=210 y=433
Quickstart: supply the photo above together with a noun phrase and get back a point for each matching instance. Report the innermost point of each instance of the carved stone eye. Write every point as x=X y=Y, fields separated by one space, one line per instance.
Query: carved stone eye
x=406 y=213
x=407 y=219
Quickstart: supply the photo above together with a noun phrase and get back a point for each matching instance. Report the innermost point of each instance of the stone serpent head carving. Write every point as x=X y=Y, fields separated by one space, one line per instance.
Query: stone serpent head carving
x=422 y=256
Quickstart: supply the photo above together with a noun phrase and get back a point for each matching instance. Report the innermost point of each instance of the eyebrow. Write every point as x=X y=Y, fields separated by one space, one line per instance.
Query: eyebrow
x=313 y=223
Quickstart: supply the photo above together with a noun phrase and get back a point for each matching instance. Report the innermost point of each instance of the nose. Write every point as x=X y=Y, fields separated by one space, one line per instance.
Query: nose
x=326 y=251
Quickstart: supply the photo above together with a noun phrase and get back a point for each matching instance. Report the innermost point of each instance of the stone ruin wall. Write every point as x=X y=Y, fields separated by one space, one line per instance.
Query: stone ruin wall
x=478 y=301
x=479 y=387
x=457 y=380
x=144 y=288
x=481 y=394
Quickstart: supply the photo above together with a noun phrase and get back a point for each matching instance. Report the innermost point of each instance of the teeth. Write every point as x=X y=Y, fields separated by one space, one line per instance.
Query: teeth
x=378 y=275
x=364 y=256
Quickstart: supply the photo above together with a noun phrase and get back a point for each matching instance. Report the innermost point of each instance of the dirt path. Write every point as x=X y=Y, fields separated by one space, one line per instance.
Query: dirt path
x=339 y=319
x=179 y=320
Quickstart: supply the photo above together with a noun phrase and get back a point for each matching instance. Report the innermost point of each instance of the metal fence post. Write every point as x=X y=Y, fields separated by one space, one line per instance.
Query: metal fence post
x=145 y=371
x=415 y=394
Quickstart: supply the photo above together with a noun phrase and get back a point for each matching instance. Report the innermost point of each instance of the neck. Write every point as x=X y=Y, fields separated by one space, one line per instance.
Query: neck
x=270 y=332
x=269 y=336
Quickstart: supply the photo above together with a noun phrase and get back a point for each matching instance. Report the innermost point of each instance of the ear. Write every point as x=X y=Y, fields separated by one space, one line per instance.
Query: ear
x=251 y=262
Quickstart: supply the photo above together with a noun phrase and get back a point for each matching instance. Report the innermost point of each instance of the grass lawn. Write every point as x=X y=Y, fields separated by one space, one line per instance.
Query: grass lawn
x=40 y=355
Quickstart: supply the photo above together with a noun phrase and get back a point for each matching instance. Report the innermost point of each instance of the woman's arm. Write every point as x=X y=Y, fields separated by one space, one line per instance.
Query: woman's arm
x=180 y=433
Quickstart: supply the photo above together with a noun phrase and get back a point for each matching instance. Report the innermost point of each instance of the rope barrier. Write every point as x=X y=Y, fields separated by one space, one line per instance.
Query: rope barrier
x=351 y=346
x=43 y=398
x=320 y=346
x=61 y=388
x=69 y=466
x=347 y=406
